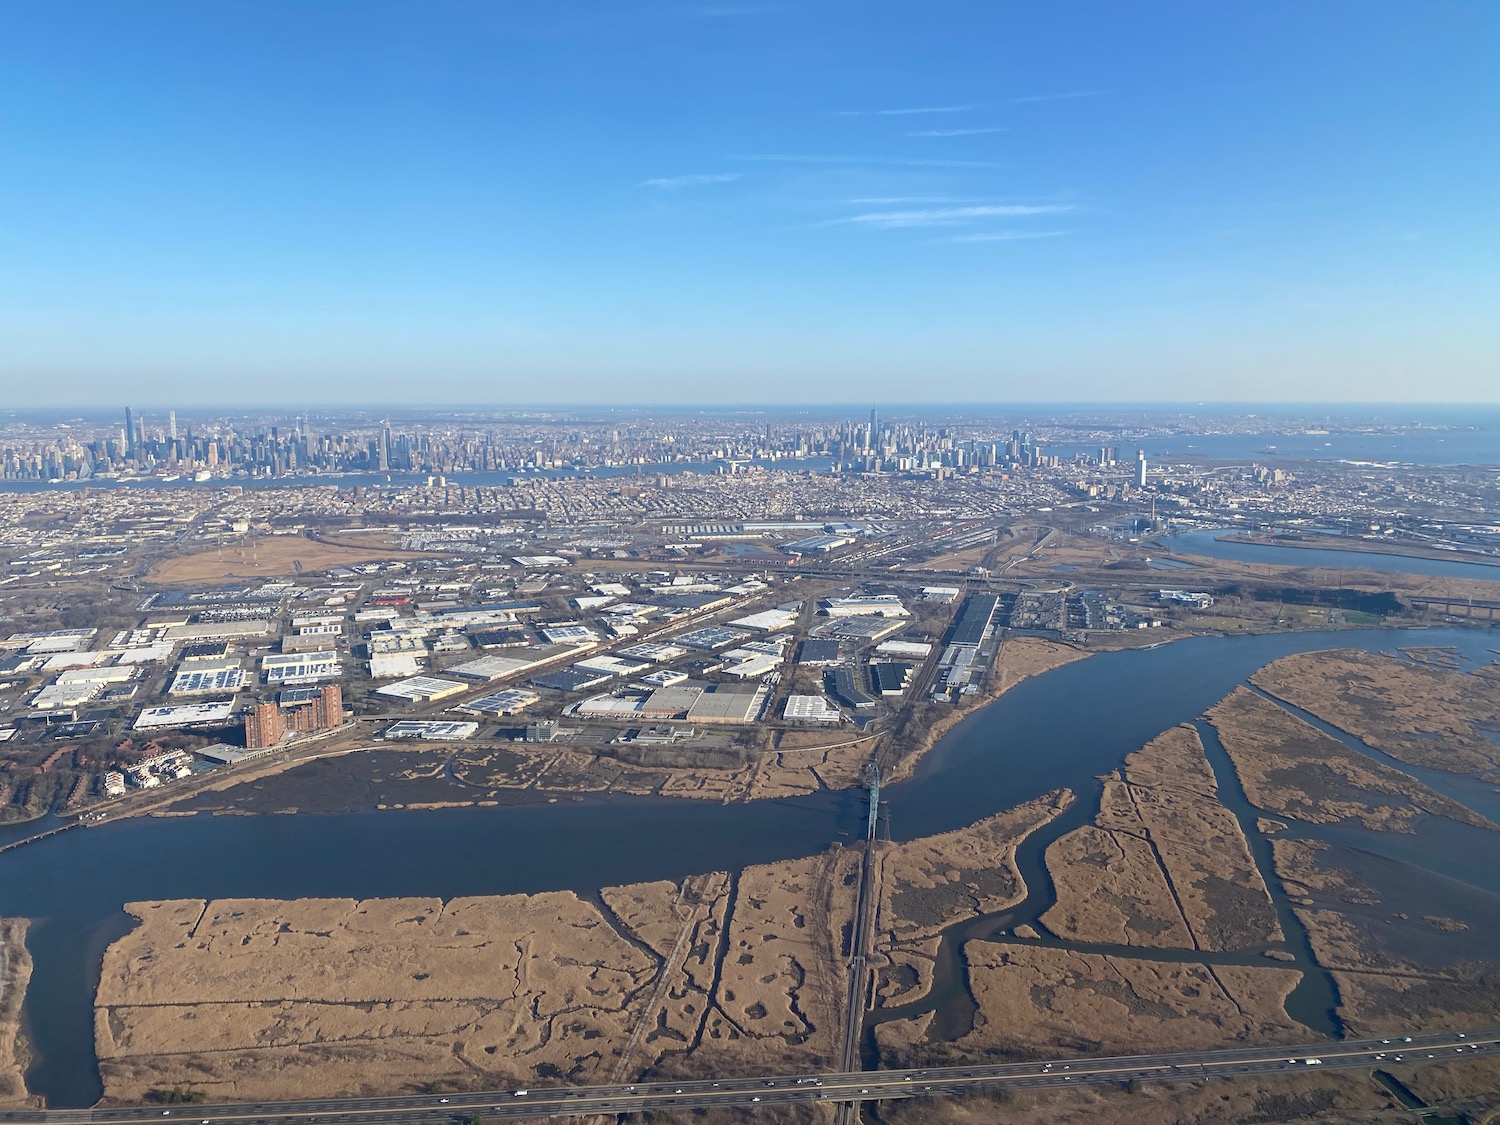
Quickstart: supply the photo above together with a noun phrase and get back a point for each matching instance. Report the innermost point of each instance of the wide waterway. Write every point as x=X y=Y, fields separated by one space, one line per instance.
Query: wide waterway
x=1061 y=729
x=1215 y=545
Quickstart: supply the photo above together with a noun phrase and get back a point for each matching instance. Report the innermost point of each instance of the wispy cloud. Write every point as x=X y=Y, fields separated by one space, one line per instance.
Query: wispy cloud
x=949 y=216
x=908 y=111
x=1006 y=235
x=884 y=161
x=958 y=132
x=673 y=183
x=1066 y=96
x=889 y=200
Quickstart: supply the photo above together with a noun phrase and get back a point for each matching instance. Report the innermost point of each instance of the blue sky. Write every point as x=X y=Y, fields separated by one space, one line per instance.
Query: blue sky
x=242 y=201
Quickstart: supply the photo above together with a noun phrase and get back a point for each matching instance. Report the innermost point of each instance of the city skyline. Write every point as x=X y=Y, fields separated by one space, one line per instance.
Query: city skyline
x=797 y=202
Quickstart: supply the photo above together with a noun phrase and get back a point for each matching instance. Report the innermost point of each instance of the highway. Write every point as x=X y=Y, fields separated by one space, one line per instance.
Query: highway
x=864 y=924
x=847 y=1087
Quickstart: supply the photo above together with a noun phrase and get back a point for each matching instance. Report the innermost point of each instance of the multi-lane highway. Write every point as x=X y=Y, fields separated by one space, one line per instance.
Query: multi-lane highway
x=426 y=1109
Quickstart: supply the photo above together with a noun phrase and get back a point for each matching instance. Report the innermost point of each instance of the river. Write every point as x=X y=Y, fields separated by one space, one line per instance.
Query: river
x=1061 y=729
x=1213 y=544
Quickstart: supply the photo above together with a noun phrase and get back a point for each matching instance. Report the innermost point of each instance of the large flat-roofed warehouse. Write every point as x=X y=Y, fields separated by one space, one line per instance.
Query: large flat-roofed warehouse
x=504 y=637
x=845 y=688
x=655 y=653
x=571 y=679
x=751 y=661
x=729 y=703
x=610 y=707
x=66 y=695
x=74 y=660
x=421 y=689
x=510 y=702
x=891 y=678
x=910 y=650
x=815 y=545
x=219 y=629
x=811 y=709
x=568 y=633
x=58 y=640
x=431 y=728
x=203 y=676
x=862 y=630
x=671 y=702
x=820 y=652
x=301 y=667
x=973 y=620
x=865 y=605
x=693 y=602
x=186 y=715
x=769 y=620
x=712 y=637
x=204 y=650
x=499 y=666
x=114 y=674
x=944 y=595
x=613 y=665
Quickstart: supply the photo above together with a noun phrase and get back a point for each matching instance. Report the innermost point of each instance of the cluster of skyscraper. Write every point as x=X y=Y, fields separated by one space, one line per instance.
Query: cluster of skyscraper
x=263 y=448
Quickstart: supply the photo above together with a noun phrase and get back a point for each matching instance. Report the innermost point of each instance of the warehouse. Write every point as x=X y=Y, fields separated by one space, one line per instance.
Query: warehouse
x=811 y=709
x=571 y=679
x=510 y=702
x=443 y=729
x=184 y=716
x=769 y=620
x=712 y=637
x=301 y=667
x=846 y=690
x=201 y=676
x=729 y=703
x=820 y=653
x=891 y=678
x=862 y=630
x=865 y=605
x=421 y=689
